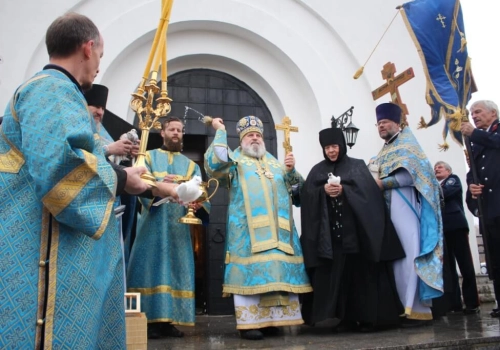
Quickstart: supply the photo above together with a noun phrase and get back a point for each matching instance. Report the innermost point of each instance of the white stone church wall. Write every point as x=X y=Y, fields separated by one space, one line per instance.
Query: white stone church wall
x=299 y=56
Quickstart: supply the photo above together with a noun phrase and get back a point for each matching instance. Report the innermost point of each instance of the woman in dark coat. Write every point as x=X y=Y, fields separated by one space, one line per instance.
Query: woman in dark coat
x=348 y=242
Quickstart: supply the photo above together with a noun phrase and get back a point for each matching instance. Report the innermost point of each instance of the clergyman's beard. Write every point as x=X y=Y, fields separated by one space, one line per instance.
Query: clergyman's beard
x=173 y=146
x=255 y=150
x=389 y=135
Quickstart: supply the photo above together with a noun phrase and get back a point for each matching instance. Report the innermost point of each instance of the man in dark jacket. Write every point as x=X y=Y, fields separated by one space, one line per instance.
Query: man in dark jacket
x=486 y=155
x=456 y=238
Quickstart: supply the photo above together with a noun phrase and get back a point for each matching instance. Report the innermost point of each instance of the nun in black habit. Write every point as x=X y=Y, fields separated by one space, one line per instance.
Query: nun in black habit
x=348 y=243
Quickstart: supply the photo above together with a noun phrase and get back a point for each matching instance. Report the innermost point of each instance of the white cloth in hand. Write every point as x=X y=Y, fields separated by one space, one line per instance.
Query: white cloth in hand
x=189 y=191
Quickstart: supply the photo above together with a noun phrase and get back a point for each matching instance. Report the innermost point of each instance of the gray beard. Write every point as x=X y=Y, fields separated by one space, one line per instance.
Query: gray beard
x=254 y=151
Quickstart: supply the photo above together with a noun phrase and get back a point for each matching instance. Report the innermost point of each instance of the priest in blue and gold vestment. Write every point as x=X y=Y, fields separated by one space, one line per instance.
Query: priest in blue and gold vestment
x=161 y=265
x=117 y=152
x=264 y=264
x=412 y=195
x=61 y=282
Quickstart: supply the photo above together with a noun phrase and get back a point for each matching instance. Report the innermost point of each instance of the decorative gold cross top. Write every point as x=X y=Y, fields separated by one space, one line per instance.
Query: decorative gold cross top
x=287 y=127
x=441 y=19
x=391 y=86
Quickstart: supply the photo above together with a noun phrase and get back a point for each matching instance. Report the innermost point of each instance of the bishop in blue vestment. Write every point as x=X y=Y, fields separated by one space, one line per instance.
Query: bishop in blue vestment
x=264 y=264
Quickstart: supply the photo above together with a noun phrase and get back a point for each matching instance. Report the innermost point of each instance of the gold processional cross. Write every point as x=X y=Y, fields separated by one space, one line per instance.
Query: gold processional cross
x=287 y=127
x=391 y=87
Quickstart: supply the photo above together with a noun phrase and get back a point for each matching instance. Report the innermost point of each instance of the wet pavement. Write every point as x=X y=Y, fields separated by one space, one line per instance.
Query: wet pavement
x=454 y=331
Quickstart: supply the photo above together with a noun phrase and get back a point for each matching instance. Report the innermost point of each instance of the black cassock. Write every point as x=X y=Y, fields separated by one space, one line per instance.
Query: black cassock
x=349 y=244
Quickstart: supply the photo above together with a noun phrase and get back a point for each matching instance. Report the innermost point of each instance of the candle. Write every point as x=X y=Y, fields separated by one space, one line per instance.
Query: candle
x=158 y=55
x=164 y=59
x=154 y=47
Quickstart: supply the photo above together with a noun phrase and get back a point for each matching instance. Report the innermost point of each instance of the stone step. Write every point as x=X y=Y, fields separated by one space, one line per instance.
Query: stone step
x=484 y=288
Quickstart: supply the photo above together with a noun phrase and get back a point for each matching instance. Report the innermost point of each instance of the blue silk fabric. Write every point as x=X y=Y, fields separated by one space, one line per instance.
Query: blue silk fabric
x=405 y=152
x=105 y=137
x=437 y=29
x=263 y=252
x=161 y=264
x=56 y=195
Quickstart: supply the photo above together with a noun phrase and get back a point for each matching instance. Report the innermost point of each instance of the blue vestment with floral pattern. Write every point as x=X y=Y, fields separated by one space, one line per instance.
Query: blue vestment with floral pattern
x=263 y=252
x=161 y=264
x=405 y=152
x=61 y=265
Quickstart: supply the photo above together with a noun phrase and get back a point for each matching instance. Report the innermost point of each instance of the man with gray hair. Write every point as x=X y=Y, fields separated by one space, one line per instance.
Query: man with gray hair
x=486 y=153
x=456 y=239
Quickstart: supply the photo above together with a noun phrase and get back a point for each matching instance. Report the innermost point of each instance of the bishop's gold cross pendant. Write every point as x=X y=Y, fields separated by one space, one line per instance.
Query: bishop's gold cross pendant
x=266 y=173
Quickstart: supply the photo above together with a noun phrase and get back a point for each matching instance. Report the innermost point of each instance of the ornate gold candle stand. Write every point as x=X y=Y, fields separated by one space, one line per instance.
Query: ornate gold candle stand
x=142 y=104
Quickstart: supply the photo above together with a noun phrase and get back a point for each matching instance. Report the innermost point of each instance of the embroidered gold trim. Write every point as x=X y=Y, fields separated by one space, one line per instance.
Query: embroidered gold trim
x=21 y=88
x=52 y=287
x=13 y=160
x=417 y=315
x=285 y=247
x=449 y=50
x=270 y=324
x=105 y=219
x=66 y=190
x=284 y=224
x=185 y=294
x=191 y=168
x=270 y=287
x=258 y=221
x=259 y=258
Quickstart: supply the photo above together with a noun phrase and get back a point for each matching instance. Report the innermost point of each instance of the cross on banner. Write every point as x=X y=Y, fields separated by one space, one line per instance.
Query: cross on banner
x=287 y=127
x=441 y=19
x=392 y=84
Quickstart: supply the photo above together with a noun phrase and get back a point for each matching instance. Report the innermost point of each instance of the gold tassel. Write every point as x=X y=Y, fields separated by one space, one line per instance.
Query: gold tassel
x=444 y=147
x=455 y=124
x=455 y=119
x=227 y=258
x=358 y=72
x=422 y=124
x=463 y=42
